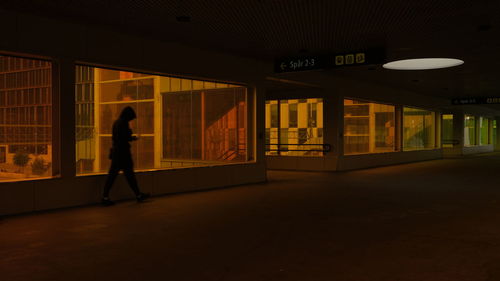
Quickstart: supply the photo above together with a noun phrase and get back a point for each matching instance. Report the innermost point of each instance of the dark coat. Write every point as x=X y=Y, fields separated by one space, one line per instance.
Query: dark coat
x=122 y=134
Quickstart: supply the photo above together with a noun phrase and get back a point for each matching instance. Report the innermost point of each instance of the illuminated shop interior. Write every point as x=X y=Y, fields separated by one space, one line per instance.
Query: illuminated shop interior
x=193 y=123
x=294 y=127
x=25 y=118
x=419 y=129
x=470 y=130
x=180 y=122
x=368 y=127
x=447 y=130
x=484 y=127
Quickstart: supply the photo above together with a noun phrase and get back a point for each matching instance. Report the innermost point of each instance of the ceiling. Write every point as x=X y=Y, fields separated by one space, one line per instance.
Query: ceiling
x=270 y=29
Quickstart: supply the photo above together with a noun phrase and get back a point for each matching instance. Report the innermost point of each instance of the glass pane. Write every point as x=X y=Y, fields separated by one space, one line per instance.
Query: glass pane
x=223 y=137
x=145 y=118
x=143 y=152
x=109 y=113
x=484 y=126
x=297 y=127
x=368 y=127
x=447 y=137
x=470 y=130
x=25 y=118
x=180 y=122
x=418 y=129
x=177 y=129
x=129 y=90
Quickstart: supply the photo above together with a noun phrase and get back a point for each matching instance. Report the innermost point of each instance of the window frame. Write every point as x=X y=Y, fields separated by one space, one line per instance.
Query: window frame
x=20 y=98
x=250 y=139
x=280 y=129
x=435 y=129
x=397 y=140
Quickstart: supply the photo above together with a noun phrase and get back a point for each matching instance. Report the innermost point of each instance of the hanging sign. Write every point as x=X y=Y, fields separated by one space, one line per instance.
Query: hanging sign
x=299 y=64
x=305 y=63
x=479 y=100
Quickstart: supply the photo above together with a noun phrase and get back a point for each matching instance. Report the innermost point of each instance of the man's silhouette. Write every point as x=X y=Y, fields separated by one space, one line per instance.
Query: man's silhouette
x=121 y=156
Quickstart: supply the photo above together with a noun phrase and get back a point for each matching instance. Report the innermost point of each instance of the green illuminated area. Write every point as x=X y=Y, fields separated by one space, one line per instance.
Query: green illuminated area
x=484 y=127
x=419 y=130
x=447 y=129
x=470 y=131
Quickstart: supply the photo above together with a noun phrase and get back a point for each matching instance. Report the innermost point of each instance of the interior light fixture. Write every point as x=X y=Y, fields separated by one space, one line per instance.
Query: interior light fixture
x=422 y=64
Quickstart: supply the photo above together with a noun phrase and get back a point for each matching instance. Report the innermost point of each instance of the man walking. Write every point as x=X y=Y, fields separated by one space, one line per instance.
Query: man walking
x=121 y=157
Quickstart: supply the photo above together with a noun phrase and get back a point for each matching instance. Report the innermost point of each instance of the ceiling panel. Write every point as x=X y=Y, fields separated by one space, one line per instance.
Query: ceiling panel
x=269 y=29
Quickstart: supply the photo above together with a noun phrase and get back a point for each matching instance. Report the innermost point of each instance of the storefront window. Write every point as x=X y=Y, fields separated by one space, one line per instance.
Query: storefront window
x=447 y=137
x=470 y=130
x=484 y=127
x=418 y=129
x=180 y=122
x=294 y=127
x=368 y=127
x=25 y=118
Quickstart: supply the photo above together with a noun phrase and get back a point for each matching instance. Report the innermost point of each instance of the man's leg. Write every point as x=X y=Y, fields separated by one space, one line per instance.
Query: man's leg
x=132 y=182
x=128 y=170
x=112 y=173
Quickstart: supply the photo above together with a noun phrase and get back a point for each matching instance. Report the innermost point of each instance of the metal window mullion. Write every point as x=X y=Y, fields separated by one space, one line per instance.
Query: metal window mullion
x=279 y=126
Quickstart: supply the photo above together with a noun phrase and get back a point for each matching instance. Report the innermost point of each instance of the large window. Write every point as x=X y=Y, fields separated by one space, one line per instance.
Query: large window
x=180 y=122
x=294 y=127
x=25 y=118
x=484 y=127
x=447 y=127
x=470 y=130
x=418 y=129
x=368 y=127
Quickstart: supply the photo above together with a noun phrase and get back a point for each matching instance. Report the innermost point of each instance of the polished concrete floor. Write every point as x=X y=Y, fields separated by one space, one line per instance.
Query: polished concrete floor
x=428 y=221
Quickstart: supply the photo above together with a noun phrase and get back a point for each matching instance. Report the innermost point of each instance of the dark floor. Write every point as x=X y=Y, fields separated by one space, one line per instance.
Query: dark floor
x=428 y=221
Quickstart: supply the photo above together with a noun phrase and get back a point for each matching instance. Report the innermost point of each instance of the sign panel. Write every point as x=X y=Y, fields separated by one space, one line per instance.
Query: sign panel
x=476 y=100
x=299 y=64
x=293 y=64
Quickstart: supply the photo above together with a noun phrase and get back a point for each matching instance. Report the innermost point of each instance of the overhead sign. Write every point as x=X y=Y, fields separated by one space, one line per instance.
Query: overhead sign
x=299 y=64
x=480 y=100
x=305 y=63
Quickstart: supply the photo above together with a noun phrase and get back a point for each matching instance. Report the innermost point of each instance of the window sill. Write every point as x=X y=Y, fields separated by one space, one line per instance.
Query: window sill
x=172 y=168
x=7 y=180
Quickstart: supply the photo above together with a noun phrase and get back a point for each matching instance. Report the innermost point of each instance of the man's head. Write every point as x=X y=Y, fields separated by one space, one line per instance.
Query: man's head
x=128 y=114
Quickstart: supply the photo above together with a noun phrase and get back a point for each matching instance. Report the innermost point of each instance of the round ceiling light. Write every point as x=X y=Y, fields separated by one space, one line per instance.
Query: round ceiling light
x=422 y=64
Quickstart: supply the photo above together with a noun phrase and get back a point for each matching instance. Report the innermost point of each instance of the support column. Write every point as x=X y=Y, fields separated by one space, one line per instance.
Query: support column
x=438 y=131
x=458 y=132
x=63 y=104
x=333 y=128
x=398 y=128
